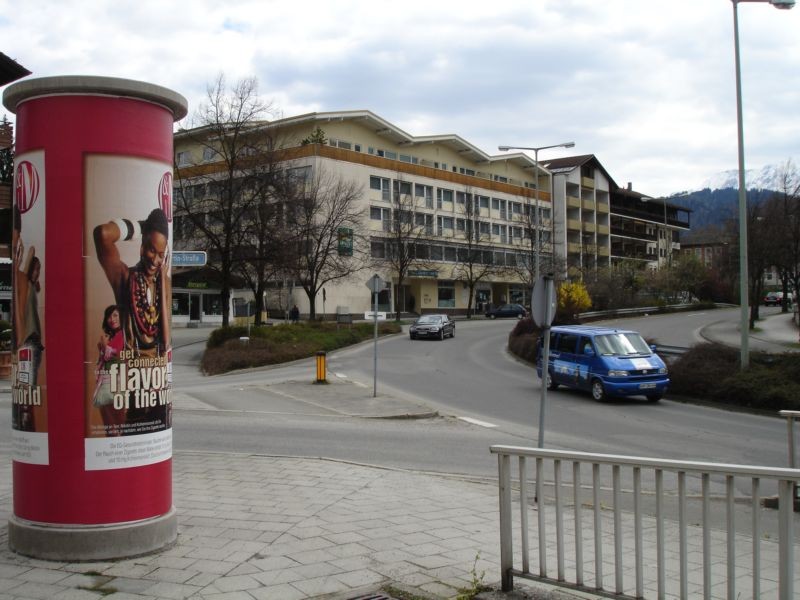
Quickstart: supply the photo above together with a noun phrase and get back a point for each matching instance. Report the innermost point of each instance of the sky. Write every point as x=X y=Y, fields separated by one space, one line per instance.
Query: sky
x=647 y=86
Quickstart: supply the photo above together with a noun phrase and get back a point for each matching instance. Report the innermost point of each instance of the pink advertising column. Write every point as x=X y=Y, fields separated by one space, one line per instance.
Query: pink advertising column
x=92 y=356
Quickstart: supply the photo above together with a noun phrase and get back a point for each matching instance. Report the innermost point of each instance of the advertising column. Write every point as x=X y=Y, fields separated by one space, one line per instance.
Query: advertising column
x=92 y=354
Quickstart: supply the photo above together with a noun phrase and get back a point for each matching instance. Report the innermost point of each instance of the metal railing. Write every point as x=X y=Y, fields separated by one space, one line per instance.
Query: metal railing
x=640 y=544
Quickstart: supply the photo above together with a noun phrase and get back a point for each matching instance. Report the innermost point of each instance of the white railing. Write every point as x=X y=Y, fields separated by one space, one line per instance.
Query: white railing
x=654 y=549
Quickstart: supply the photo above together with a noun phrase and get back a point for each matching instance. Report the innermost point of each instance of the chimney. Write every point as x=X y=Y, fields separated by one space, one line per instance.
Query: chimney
x=630 y=186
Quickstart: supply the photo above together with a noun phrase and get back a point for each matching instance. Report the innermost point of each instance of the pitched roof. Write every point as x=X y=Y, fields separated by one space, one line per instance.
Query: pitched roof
x=10 y=70
x=570 y=163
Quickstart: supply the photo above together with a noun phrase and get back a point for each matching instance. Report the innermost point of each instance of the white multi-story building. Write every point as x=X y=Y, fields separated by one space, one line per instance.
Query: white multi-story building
x=441 y=176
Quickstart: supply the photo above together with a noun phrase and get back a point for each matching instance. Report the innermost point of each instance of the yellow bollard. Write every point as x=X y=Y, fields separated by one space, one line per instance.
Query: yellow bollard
x=321 y=367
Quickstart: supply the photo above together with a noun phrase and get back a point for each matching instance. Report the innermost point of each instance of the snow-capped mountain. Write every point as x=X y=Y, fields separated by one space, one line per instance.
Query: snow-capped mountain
x=768 y=177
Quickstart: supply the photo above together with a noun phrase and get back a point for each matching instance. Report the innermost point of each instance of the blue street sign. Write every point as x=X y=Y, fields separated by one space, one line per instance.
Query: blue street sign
x=191 y=258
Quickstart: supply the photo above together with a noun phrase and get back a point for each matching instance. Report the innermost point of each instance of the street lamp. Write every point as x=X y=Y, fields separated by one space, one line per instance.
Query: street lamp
x=536 y=192
x=744 y=299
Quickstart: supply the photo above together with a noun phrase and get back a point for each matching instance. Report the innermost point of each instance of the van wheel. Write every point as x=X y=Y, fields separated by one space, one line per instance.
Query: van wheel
x=653 y=397
x=453 y=333
x=441 y=335
x=551 y=384
x=598 y=391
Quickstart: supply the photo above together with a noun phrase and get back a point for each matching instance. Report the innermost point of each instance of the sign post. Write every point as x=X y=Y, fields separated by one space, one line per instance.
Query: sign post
x=375 y=285
x=543 y=309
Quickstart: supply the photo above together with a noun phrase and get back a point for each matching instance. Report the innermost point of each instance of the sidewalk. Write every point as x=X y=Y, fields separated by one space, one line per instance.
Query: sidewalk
x=774 y=333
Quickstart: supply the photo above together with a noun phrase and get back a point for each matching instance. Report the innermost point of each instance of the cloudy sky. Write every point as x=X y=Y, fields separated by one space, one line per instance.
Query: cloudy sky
x=645 y=85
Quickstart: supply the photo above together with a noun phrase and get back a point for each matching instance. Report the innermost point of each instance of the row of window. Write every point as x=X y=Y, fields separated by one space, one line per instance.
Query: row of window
x=380 y=248
x=446 y=225
x=473 y=203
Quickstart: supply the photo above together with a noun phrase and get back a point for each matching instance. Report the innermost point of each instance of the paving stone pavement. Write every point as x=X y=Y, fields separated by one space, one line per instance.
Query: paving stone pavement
x=258 y=527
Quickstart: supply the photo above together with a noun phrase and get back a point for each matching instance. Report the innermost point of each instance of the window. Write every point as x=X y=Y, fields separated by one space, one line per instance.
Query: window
x=377 y=249
x=182 y=158
x=464 y=171
x=444 y=196
x=463 y=197
x=495 y=204
x=426 y=221
x=447 y=294
x=483 y=228
x=388 y=154
x=501 y=179
x=380 y=184
x=402 y=188
x=461 y=225
x=483 y=201
x=209 y=154
x=424 y=191
x=450 y=254
x=437 y=253
x=445 y=223
x=377 y=213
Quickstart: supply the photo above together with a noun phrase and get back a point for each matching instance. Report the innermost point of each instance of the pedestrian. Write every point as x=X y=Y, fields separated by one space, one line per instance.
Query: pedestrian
x=294 y=314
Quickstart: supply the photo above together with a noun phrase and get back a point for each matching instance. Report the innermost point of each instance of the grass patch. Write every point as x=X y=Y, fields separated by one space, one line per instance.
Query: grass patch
x=281 y=343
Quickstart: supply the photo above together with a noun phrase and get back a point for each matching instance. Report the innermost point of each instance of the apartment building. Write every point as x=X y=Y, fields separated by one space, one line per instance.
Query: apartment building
x=581 y=209
x=454 y=189
x=645 y=231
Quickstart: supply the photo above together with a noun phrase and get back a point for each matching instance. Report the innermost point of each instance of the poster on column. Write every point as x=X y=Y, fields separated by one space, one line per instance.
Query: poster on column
x=28 y=356
x=128 y=352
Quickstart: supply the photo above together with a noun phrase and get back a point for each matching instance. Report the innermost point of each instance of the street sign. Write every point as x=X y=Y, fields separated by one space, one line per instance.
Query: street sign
x=371 y=315
x=189 y=258
x=376 y=284
x=543 y=301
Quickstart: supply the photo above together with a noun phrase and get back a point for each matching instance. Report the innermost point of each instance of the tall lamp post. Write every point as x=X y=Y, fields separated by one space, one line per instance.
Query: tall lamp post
x=536 y=192
x=744 y=298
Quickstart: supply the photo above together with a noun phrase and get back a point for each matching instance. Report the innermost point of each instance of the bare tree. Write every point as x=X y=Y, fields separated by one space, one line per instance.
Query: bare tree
x=782 y=211
x=475 y=253
x=265 y=247
x=407 y=235
x=216 y=197
x=536 y=249
x=321 y=219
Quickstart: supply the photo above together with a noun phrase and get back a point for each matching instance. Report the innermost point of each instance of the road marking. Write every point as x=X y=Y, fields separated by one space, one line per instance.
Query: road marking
x=477 y=422
x=341 y=375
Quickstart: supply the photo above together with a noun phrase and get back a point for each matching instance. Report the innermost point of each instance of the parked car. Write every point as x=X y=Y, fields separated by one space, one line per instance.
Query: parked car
x=506 y=310
x=432 y=326
x=606 y=362
x=776 y=299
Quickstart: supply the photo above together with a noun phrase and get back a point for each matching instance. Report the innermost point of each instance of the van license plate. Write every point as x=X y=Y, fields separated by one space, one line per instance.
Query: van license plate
x=647 y=386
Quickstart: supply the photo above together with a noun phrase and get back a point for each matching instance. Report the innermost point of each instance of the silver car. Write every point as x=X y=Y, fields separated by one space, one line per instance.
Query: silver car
x=432 y=326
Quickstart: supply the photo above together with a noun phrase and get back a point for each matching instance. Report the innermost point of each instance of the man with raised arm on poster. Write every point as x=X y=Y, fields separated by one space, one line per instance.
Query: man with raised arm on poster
x=141 y=291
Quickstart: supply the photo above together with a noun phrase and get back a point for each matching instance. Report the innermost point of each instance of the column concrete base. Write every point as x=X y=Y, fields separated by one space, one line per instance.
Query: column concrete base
x=92 y=542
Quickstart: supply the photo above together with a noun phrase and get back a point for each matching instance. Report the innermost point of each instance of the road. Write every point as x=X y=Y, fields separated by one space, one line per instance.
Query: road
x=471 y=376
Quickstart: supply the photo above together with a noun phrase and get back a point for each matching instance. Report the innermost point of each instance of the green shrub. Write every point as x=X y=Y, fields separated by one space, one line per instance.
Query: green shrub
x=711 y=372
x=281 y=343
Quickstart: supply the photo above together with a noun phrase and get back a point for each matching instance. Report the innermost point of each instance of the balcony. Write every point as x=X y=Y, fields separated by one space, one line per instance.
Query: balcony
x=589 y=205
x=603 y=251
x=587 y=182
x=603 y=207
x=603 y=229
x=573 y=248
x=589 y=227
x=573 y=202
x=574 y=224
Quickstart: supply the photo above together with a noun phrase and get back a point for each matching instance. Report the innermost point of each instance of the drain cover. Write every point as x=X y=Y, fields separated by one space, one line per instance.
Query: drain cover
x=378 y=596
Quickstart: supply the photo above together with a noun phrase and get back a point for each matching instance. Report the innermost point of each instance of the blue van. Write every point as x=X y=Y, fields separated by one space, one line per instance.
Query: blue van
x=607 y=362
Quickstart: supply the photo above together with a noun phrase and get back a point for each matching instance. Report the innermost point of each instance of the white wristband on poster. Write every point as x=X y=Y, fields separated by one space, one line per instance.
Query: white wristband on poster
x=123 y=228
x=136 y=230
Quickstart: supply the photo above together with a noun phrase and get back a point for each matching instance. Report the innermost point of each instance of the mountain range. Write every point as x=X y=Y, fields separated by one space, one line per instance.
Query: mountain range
x=718 y=200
